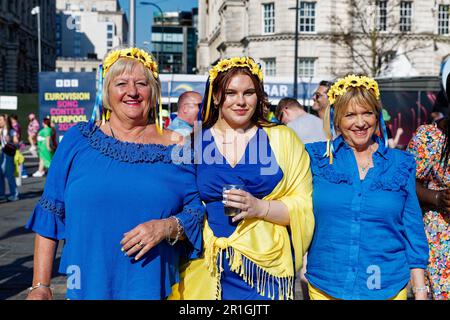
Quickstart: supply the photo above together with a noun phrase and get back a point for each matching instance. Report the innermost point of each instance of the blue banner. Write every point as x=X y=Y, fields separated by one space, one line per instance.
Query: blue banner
x=66 y=97
x=173 y=88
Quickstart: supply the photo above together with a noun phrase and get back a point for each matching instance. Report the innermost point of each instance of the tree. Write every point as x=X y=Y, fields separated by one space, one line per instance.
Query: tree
x=376 y=32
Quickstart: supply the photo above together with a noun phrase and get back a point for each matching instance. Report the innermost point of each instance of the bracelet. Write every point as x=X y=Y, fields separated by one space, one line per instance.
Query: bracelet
x=267 y=212
x=39 y=285
x=421 y=289
x=179 y=231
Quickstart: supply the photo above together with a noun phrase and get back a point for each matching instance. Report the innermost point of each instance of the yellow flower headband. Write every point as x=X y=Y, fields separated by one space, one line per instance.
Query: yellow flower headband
x=227 y=64
x=132 y=53
x=339 y=88
x=148 y=62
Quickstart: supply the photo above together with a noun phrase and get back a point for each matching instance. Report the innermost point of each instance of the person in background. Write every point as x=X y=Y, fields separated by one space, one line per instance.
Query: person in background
x=21 y=146
x=9 y=142
x=308 y=127
x=369 y=241
x=33 y=129
x=188 y=106
x=320 y=98
x=392 y=142
x=15 y=125
x=430 y=146
x=46 y=148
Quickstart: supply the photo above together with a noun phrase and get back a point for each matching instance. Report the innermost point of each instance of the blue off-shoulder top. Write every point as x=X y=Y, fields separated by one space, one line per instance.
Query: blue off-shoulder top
x=99 y=188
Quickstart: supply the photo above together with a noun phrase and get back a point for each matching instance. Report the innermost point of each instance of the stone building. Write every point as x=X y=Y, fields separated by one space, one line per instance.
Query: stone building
x=411 y=37
x=19 y=44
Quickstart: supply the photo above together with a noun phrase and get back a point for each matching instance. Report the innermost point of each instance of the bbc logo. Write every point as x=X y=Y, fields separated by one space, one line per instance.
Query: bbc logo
x=67 y=83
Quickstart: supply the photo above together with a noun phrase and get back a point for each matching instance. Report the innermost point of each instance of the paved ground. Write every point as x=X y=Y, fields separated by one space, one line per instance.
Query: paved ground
x=16 y=242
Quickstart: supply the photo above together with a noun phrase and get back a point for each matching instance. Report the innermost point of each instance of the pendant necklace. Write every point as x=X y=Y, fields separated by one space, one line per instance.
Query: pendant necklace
x=365 y=168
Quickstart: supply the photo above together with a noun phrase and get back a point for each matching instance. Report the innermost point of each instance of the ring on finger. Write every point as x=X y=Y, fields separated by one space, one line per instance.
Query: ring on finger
x=140 y=244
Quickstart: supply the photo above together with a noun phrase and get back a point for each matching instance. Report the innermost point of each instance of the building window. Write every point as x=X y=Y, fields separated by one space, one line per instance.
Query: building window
x=306 y=67
x=269 y=18
x=405 y=16
x=270 y=67
x=71 y=69
x=307 y=17
x=443 y=19
x=83 y=69
x=382 y=15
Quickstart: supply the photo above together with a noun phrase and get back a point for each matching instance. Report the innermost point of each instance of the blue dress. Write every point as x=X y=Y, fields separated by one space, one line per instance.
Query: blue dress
x=213 y=171
x=369 y=233
x=97 y=189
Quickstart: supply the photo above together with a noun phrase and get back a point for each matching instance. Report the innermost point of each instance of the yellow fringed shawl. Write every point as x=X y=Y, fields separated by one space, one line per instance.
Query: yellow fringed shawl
x=258 y=245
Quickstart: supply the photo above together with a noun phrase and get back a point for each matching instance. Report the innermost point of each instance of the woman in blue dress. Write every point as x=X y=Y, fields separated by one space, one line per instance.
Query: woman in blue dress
x=369 y=240
x=255 y=254
x=115 y=197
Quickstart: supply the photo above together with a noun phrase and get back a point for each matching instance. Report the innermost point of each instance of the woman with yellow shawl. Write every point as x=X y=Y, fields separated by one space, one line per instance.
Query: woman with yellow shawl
x=256 y=253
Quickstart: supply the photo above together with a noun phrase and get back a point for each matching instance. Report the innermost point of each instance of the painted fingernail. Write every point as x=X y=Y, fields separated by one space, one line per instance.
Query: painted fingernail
x=224 y=202
x=225 y=196
x=122 y=249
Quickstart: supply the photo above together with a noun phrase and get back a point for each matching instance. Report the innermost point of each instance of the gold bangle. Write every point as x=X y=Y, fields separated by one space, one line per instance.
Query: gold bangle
x=267 y=212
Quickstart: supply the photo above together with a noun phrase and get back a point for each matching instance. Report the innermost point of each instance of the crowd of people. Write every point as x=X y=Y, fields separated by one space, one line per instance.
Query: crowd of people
x=259 y=198
x=42 y=144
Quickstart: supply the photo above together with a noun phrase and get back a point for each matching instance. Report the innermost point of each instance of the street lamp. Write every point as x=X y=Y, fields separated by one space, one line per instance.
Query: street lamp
x=146 y=3
x=296 y=51
x=36 y=11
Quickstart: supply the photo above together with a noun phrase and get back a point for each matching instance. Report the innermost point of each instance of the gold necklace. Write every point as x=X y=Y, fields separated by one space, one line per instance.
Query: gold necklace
x=119 y=138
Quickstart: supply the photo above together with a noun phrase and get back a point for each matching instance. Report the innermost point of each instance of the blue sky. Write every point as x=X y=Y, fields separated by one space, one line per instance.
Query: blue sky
x=144 y=14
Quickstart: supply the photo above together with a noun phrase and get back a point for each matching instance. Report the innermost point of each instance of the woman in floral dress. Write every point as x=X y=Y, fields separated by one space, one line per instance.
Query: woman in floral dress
x=431 y=148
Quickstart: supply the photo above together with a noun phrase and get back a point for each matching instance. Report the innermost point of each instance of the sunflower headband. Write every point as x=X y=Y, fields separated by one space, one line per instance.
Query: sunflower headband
x=112 y=57
x=339 y=88
x=132 y=53
x=225 y=65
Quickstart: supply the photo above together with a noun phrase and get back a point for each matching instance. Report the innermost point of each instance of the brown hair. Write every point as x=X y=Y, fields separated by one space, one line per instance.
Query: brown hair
x=221 y=83
x=358 y=95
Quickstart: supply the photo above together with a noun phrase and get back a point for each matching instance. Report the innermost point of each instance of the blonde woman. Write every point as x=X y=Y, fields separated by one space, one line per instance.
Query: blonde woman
x=369 y=240
x=124 y=209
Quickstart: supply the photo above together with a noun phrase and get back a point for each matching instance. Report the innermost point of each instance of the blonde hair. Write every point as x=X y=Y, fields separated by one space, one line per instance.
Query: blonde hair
x=126 y=65
x=357 y=95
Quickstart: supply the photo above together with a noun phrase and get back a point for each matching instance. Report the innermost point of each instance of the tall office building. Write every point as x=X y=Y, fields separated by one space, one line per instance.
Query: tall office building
x=86 y=31
x=174 y=39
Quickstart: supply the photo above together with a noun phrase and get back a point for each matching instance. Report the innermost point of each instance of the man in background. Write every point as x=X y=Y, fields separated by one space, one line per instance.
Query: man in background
x=320 y=98
x=188 y=106
x=308 y=127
